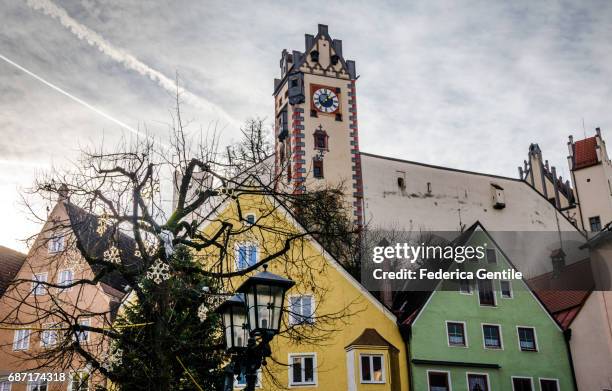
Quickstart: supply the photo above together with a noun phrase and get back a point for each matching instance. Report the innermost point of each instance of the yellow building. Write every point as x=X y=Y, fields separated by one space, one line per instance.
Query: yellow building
x=335 y=334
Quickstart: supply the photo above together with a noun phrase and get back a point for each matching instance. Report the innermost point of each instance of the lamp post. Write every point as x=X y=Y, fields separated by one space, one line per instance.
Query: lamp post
x=250 y=320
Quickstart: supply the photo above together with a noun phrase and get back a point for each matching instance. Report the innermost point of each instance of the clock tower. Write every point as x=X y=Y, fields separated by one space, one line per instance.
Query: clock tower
x=316 y=133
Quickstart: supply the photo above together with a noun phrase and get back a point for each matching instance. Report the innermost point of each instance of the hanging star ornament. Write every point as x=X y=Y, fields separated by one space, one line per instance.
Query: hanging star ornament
x=102 y=224
x=159 y=272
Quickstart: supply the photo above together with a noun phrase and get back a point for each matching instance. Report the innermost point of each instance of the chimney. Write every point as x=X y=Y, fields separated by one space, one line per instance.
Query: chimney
x=386 y=292
x=337 y=45
x=63 y=193
x=309 y=41
x=558 y=261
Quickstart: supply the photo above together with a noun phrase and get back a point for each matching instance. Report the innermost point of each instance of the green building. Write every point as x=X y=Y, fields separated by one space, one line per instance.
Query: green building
x=484 y=335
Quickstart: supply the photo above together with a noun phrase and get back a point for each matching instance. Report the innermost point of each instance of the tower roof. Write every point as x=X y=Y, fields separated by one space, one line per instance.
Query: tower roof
x=585 y=152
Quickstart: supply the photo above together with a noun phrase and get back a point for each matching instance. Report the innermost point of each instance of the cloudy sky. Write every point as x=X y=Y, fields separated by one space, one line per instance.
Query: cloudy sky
x=463 y=84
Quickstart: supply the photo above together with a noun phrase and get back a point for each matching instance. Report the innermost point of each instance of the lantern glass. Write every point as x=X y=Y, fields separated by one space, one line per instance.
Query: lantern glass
x=235 y=323
x=265 y=304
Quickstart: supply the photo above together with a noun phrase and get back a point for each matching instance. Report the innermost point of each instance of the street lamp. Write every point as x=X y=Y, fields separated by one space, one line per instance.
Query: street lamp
x=235 y=324
x=250 y=320
x=265 y=295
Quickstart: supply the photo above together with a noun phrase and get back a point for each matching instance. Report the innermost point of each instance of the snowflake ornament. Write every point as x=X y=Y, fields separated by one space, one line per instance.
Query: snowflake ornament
x=112 y=360
x=159 y=272
x=203 y=312
x=112 y=255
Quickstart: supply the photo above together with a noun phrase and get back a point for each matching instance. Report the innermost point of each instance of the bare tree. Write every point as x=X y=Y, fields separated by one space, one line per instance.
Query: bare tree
x=160 y=266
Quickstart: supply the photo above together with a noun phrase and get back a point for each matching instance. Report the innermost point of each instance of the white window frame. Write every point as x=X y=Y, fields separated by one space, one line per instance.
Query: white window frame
x=36 y=284
x=237 y=253
x=467 y=379
x=311 y=320
x=501 y=291
x=501 y=337
x=18 y=348
x=5 y=382
x=465 y=337
x=535 y=339
x=57 y=243
x=84 y=322
x=469 y=284
x=521 y=377
x=33 y=384
x=80 y=373
x=494 y=295
x=448 y=378
x=47 y=332
x=548 y=379
x=315 y=380
x=240 y=386
x=59 y=279
x=371 y=363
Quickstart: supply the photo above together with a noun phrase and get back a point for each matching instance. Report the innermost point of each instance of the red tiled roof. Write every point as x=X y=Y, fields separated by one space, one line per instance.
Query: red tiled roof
x=585 y=152
x=563 y=305
x=557 y=301
x=10 y=263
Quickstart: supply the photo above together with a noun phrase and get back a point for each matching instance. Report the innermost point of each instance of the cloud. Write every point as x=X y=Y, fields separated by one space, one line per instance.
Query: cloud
x=126 y=59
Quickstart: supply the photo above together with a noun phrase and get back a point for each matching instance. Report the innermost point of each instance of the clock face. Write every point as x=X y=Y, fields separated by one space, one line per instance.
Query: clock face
x=325 y=100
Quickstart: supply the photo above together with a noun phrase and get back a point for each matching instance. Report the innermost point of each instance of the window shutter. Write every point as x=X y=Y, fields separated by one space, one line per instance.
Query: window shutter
x=253 y=255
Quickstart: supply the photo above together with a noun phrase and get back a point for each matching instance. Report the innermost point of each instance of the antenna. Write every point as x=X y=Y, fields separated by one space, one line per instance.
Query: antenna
x=583 y=129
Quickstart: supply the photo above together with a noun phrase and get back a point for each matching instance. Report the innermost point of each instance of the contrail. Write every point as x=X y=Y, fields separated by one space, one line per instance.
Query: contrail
x=74 y=98
x=127 y=60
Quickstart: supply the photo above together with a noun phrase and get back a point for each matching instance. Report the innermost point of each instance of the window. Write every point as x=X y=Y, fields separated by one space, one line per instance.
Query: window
x=65 y=277
x=545 y=385
x=465 y=287
x=56 y=244
x=477 y=382
x=250 y=218
x=246 y=256
x=527 y=339
x=240 y=381
x=438 y=381
x=302 y=369
x=40 y=385
x=48 y=337
x=401 y=183
x=83 y=336
x=492 y=336
x=5 y=385
x=372 y=368
x=21 y=341
x=317 y=168
x=320 y=138
x=506 y=289
x=522 y=384
x=456 y=333
x=302 y=309
x=37 y=287
x=486 y=295
x=79 y=381
x=491 y=255
x=595 y=223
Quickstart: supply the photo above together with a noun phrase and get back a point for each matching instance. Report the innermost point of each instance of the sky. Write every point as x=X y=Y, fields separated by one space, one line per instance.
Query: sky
x=466 y=84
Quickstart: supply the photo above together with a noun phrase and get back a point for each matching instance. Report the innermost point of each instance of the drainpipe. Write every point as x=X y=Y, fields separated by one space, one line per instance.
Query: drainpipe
x=567 y=334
